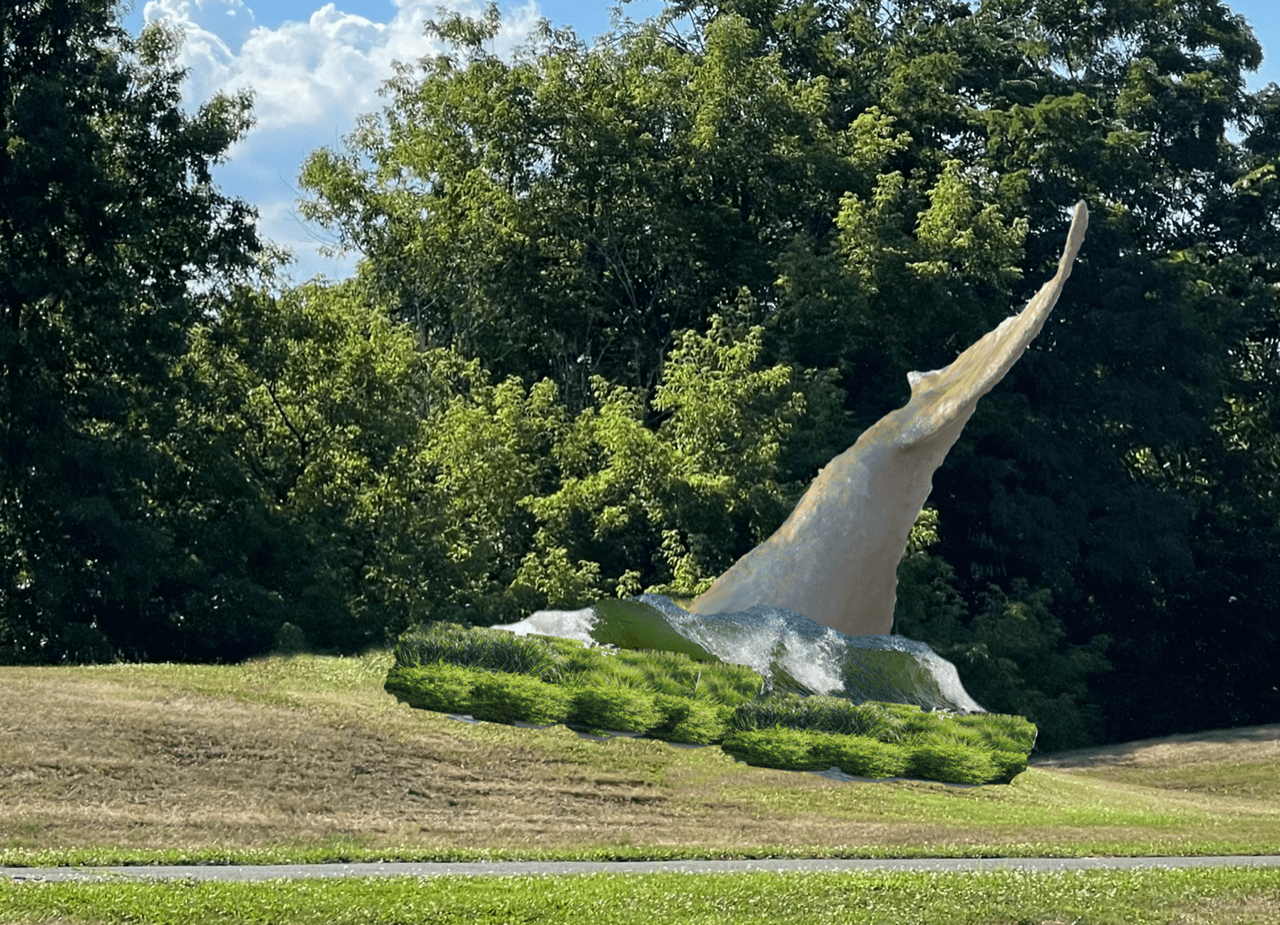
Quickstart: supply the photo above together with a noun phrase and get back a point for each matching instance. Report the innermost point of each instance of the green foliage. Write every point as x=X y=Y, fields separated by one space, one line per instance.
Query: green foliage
x=1001 y=732
x=615 y=707
x=497 y=676
x=442 y=687
x=820 y=714
x=663 y=509
x=952 y=762
x=306 y=418
x=674 y=673
x=109 y=229
x=498 y=697
x=861 y=756
x=785 y=749
x=691 y=721
x=491 y=695
x=1013 y=655
x=799 y=750
x=572 y=663
x=1006 y=765
x=541 y=657
x=634 y=180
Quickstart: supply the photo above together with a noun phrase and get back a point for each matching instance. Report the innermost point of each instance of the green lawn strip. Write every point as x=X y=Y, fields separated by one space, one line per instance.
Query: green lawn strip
x=341 y=853
x=1096 y=897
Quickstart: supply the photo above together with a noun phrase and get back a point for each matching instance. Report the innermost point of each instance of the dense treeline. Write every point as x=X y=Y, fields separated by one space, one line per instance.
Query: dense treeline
x=618 y=303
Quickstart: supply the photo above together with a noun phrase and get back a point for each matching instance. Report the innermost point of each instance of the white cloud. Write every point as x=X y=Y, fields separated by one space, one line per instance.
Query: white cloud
x=310 y=81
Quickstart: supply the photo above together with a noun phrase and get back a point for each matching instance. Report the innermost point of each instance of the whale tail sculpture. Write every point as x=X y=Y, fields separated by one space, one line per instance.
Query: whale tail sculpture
x=835 y=559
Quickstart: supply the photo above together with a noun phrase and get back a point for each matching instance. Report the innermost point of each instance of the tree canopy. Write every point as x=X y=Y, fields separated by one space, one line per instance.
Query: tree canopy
x=109 y=225
x=617 y=303
x=872 y=187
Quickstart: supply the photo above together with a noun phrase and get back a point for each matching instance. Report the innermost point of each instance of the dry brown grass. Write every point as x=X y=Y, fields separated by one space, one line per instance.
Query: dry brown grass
x=1252 y=908
x=1253 y=744
x=1239 y=763
x=312 y=752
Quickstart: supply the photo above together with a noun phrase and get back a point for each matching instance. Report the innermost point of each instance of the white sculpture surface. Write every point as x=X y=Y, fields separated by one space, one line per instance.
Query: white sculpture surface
x=835 y=559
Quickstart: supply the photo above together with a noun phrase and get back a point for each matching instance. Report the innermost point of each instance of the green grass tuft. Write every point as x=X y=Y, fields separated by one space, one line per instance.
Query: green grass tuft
x=498 y=697
x=952 y=763
x=690 y=721
x=542 y=657
x=819 y=714
x=615 y=707
x=442 y=687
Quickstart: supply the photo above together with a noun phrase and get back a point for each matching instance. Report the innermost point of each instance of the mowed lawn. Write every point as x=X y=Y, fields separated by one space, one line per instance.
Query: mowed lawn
x=307 y=758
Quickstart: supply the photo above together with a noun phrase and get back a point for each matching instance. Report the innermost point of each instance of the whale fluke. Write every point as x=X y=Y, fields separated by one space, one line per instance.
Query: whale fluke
x=835 y=559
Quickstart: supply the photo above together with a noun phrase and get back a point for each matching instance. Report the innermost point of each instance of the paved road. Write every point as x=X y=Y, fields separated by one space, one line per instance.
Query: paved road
x=562 y=868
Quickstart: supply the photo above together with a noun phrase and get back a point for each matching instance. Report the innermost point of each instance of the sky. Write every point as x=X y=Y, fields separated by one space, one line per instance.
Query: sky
x=313 y=68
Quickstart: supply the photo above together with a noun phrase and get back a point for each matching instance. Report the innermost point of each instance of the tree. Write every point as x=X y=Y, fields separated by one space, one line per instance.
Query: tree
x=886 y=181
x=300 y=430
x=565 y=213
x=109 y=227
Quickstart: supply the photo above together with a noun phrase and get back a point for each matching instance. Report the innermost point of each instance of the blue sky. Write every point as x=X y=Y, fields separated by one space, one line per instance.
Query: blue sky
x=314 y=67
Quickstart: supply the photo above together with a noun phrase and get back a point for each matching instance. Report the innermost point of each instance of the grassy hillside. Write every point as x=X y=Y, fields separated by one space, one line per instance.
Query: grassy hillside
x=308 y=758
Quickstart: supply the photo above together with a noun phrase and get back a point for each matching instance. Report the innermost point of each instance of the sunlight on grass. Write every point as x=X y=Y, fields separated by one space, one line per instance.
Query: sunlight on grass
x=306 y=758
x=1099 y=897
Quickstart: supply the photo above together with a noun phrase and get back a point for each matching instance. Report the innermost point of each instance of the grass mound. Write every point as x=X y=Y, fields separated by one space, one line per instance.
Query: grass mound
x=496 y=676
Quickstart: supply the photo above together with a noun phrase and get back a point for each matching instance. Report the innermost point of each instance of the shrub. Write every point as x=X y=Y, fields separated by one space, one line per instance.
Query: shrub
x=859 y=755
x=797 y=750
x=786 y=749
x=481 y=647
x=499 y=677
x=1007 y=765
x=498 y=697
x=1002 y=732
x=441 y=687
x=690 y=721
x=951 y=763
x=624 y=709
x=817 y=714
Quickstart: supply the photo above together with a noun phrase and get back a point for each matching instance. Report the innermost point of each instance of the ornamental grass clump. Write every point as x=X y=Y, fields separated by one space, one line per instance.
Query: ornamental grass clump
x=1001 y=731
x=859 y=756
x=499 y=677
x=498 y=697
x=1007 y=765
x=952 y=763
x=784 y=749
x=480 y=647
x=818 y=714
x=616 y=708
x=676 y=674
x=798 y=750
x=441 y=687
x=692 y=722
